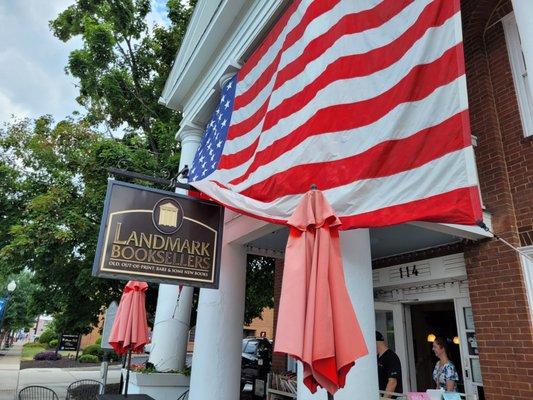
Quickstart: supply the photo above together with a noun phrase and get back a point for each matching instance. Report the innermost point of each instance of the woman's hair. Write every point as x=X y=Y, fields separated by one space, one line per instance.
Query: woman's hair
x=442 y=342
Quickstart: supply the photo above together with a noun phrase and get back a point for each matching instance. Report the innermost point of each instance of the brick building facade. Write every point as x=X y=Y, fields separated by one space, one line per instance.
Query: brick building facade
x=424 y=276
x=504 y=155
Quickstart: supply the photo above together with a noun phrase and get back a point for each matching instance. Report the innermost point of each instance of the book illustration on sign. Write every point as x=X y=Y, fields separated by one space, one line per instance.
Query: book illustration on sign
x=168 y=215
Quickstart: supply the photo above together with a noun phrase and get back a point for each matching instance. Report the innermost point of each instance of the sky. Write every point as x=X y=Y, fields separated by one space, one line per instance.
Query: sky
x=32 y=61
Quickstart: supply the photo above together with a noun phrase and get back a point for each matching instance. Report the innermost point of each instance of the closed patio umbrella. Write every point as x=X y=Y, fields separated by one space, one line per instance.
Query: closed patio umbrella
x=316 y=322
x=130 y=329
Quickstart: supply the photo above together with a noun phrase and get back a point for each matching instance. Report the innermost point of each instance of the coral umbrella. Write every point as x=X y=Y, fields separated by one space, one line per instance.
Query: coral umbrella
x=316 y=323
x=130 y=329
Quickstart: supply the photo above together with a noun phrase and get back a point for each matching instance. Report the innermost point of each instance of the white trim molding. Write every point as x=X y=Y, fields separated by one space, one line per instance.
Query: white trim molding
x=220 y=36
x=527 y=268
x=524 y=93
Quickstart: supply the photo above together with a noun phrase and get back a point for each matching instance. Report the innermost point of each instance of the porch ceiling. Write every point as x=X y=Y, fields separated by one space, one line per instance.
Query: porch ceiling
x=384 y=242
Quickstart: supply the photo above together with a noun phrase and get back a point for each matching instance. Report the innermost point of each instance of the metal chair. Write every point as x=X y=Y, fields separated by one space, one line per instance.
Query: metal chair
x=37 y=393
x=184 y=396
x=84 y=389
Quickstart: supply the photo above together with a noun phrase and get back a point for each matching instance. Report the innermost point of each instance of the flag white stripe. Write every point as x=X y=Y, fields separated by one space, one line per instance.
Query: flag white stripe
x=323 y=23
x=273 y=50
x=343 y=7
x=358 y=44
x=441 y=175
x=367 y=87
x=439 y=106
x=346 y=45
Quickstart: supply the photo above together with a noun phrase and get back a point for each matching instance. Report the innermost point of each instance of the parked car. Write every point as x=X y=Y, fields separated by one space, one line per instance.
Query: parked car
x=256 y=359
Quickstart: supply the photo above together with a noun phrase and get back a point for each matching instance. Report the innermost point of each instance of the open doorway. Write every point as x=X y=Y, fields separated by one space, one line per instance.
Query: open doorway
x=430 y=320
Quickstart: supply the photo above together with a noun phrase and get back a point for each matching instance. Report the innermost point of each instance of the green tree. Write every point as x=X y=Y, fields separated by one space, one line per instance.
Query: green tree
x=123 y=65
x=21 y=310
x=61 y=175
x=259 y=286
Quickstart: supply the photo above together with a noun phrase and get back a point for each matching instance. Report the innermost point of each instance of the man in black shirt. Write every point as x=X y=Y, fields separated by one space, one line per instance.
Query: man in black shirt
x=389 y=367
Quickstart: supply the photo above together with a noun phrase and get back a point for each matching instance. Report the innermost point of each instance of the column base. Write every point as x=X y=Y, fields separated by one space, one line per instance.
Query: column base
x=160 y=386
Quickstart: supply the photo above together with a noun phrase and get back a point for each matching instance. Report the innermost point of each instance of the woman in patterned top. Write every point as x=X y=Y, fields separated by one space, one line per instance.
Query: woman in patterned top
x=444 y=375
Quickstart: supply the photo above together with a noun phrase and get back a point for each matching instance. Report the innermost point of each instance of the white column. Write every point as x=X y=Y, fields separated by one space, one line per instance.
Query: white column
x=523 y=11
x=216 y=362
x=362 y=380
x=172 y=317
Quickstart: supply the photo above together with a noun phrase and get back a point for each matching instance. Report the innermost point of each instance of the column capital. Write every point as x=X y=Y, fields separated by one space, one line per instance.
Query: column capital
x=230 y=70
x=189 y=131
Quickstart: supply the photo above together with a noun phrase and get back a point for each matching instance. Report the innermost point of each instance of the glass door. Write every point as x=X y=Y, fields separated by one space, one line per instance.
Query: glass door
x=390 y=322
x=469 y=348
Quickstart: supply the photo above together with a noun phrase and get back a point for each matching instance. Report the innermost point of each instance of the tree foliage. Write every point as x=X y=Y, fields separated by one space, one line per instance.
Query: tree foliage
x=20 y=311
x=53 y=175
x=60 y=176
x=123 y=65
x=259 y=286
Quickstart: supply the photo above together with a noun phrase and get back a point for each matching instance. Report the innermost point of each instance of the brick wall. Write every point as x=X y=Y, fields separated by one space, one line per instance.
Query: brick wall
x=265 y=323
x=504 y=160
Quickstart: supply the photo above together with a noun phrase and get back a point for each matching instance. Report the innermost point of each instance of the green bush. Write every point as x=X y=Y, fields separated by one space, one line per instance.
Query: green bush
x=33 y=344
x=94 y=350
x=53 y=343
x=99 y=341
x=46 y=336
x=88 y=358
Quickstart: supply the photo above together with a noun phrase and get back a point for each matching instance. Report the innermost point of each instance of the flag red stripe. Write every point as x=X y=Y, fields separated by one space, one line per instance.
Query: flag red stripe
x=242 y=128
x=358 y=65
x=387 y=158
x=418 y=84
x=271 y=38
x=257 y=86
x=316 y=9
x=460 y=206
x=349 y=24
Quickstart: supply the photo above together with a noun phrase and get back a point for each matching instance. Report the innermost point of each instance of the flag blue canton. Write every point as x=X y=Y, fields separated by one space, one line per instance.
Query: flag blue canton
x=208 y=154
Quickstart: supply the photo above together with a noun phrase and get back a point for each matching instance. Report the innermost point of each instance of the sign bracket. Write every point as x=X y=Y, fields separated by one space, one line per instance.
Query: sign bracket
x=172 y=183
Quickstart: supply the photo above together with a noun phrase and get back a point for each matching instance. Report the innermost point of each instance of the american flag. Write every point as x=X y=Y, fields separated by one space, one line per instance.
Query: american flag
x=365 y=99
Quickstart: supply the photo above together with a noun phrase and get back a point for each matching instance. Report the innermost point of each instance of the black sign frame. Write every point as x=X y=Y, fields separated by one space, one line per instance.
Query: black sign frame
x=68 y=339
x=129 y=275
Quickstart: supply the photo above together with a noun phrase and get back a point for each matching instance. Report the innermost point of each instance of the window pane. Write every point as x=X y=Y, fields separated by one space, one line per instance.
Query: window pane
x=385 y=325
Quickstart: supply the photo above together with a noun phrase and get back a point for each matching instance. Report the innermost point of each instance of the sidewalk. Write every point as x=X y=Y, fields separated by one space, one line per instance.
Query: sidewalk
x=58 y=379
x=13 y=379
x=9 y=371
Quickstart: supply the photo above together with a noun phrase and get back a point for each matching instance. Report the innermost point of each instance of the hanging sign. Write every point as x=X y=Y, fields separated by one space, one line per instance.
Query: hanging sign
x=158 y=236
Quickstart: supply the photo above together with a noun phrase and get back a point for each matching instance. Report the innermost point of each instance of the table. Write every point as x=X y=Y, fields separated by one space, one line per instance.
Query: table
x=123 y=397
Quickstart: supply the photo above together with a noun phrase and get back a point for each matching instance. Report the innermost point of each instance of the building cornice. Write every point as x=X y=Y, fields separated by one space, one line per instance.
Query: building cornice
x=233 y=31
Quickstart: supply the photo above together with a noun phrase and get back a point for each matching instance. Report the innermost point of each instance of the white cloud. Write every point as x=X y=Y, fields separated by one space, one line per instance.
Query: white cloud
x=32 y=61
x=33 y=81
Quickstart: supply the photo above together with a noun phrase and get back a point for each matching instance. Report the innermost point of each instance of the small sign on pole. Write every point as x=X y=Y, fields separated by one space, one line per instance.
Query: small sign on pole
x=69 y=342
x=109 y=319
x=158 y=236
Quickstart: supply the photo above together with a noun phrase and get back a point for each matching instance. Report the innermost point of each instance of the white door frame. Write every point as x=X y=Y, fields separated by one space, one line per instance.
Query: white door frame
x=468 y=379
x=451 y=291
x=399 y=335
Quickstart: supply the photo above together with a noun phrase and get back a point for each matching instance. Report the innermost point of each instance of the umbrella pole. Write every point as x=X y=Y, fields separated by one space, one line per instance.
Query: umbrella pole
x=128 y=373
x=330 y=396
